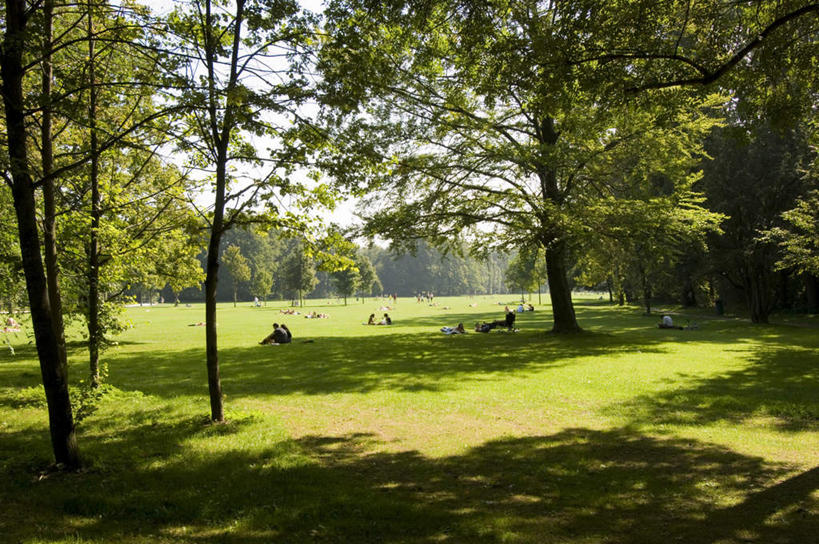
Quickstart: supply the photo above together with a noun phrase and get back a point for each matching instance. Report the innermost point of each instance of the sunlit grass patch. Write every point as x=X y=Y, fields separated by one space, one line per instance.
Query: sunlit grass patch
x=624 y=433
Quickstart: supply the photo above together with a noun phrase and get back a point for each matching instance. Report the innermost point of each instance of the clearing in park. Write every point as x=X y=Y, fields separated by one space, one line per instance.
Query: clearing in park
x=624 y=433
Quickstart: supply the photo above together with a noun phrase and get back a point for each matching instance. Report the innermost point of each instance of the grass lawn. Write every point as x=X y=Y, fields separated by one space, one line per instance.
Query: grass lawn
x=625 y=433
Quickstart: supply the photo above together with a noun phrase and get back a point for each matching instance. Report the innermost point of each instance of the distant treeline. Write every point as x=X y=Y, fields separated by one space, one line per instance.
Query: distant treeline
x=404 y=274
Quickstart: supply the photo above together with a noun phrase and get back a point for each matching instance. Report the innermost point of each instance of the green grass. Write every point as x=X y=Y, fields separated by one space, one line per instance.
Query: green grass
x=625 y=433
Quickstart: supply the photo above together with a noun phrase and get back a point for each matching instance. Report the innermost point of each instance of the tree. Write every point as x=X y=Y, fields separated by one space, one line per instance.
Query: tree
x=367 y=276
x=261 y=284
x=754 y=177
x=299 y=274
x=20 y=177
x=799 y=238
x=346 y=281
x=526 y=272
x=475 y=122
x=237 y=87
x=237 y=267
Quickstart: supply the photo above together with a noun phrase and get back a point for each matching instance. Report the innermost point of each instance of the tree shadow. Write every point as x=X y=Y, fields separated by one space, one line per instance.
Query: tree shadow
x=399 y=361
x=779 y=383
x=578 y=485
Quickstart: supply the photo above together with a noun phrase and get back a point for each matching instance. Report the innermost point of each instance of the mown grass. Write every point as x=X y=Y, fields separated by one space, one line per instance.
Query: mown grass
x=625 y=433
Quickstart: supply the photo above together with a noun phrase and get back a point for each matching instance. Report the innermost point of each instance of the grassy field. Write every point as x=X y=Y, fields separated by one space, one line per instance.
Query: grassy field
x=625 y=433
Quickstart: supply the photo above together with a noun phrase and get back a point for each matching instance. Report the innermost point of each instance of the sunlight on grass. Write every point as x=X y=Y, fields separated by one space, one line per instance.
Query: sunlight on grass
x=402 y=434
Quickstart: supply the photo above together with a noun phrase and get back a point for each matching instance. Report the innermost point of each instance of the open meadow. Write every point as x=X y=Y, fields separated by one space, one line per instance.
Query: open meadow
x=624 y=433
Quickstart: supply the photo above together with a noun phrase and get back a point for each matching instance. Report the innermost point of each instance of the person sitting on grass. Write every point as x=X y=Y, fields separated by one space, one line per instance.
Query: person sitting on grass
x=280 y=335
x=386 y=320
x=454 y=330
x=288 y=335
x=371 y=320
x=509 y=322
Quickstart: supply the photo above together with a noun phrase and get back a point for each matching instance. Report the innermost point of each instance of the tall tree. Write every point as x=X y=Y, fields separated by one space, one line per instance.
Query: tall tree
x=239 y=86
x=478 y=118
x=18 y=174
x=237 y=267
x=346 y=282
x=367 y=276
x=754 y=177
x=299 y=272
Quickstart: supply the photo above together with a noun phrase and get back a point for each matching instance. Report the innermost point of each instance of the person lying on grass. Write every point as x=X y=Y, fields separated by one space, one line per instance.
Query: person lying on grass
x=508 y=322
x=486 y=327
x=667 y=323
x=454 y=330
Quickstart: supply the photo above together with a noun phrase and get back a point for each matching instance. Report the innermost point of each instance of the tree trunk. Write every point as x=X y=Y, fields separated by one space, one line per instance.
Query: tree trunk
x=646 y=291
x=559 y=290
x=211 y=279
x=54 y=371
x=758 y=296
x=49 y=205
x=93 y=240
x=235 y=294
x=812 y=293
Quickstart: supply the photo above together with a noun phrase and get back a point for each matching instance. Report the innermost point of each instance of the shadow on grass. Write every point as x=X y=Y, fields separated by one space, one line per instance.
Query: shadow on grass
x=779 y=383
x=405 y=362
x=579 y=485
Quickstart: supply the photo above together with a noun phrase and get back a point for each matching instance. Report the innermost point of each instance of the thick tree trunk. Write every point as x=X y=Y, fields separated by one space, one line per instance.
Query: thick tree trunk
x=758 y=296
x=559 y=290
x=54 y=371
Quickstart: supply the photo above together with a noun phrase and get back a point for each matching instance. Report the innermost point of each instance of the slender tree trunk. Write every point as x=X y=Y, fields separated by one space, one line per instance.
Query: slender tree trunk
x=211 y=280
x=646 y=291
x=211 y=348
x=559 y=290
x=49 y=205
x=93 y=240
x=54 y=371
x=812 y=292
x=235 y=294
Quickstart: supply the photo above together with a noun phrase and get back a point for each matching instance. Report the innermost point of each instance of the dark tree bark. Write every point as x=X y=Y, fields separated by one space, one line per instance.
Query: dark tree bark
x=812 y=292
x=559 y=290
x=54 y=371
x=211 y=279
x=49 y=206
x=93 y=241
x=757 y=293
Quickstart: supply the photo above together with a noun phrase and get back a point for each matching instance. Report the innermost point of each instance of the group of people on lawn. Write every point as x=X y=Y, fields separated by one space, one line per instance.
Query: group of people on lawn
x=282 y=335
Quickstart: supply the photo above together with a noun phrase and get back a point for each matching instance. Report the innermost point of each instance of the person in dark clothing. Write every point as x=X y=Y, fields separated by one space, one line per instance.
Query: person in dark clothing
x=282 y=335
x=510 y=320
